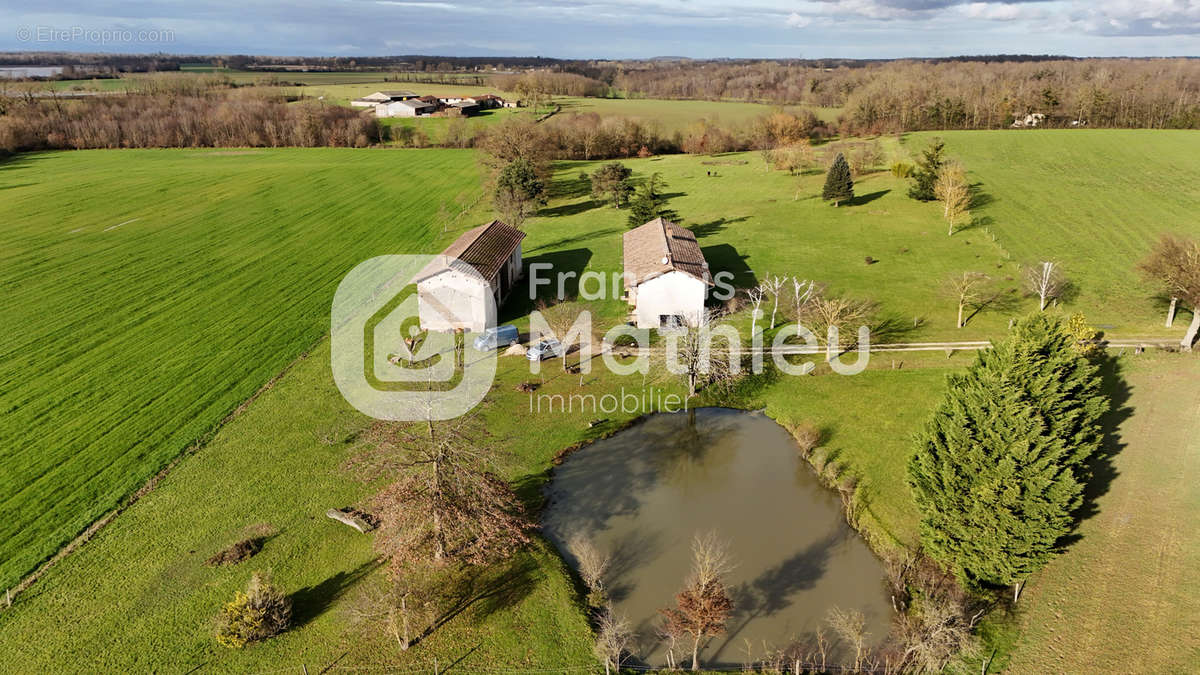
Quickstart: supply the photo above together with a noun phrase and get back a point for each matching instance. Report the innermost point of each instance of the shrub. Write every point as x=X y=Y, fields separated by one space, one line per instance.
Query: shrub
x=243 y=550
x=808 y=437
x=902 y=170
x=259 y=613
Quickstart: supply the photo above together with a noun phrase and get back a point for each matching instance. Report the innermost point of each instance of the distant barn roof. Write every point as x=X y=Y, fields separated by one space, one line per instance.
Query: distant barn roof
x=485 y=248
x=661 y=246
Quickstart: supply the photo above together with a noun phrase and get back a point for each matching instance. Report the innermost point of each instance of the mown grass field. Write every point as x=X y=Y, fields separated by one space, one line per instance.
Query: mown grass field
x=196 y=305
x=281 y=463
x=1122 y=599
x=1094 y=200
x=148 y=293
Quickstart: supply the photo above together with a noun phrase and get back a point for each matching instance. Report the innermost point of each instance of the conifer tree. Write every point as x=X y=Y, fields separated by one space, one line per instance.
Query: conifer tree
x=926 y=174
x=839 y=184
x=1000 y=469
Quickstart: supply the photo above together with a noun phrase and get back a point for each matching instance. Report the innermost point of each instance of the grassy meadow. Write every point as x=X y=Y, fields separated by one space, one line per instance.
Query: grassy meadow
x=152 y=292
x=1094 y=200
x=149 y=292
x=1135 y=567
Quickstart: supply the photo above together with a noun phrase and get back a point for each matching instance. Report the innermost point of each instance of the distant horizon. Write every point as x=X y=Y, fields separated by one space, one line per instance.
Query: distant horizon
x=618 y=29
x=434 y=55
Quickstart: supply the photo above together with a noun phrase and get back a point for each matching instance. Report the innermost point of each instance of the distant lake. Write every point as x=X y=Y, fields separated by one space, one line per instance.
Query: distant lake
x=29 y=71
x=642 y=495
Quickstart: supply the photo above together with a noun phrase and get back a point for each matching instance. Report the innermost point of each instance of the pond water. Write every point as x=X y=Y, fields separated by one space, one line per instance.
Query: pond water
x=643 y=494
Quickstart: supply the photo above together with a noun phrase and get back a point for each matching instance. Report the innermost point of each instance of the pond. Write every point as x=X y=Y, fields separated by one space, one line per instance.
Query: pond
x=644 y=493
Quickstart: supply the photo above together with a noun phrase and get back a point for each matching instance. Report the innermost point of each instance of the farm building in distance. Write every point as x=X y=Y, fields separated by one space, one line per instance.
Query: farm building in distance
x=408 y=104
x=666 y=275
x=372 y=100
x=450 y=297
x=414 y=107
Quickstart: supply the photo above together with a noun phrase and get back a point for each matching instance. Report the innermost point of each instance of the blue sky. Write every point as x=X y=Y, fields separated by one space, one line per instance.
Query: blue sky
x=609 y=28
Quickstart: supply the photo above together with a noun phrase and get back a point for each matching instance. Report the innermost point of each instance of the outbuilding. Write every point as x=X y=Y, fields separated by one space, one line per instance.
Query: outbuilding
x=408 y=108
x=666 y=276
x=453 y=290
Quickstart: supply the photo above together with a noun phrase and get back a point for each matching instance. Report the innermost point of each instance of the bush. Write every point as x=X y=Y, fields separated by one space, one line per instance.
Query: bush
x=902 y=170
x=259 y=613
x=243 y=550
x=808 y=437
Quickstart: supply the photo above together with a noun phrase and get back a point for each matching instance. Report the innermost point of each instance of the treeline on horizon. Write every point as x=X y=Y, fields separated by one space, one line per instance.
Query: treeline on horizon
x=181 y=112
x=903 y=96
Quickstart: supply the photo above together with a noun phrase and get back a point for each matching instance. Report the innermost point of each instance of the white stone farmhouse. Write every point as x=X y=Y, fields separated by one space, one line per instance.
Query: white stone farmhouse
x=454 y=289
x=666 y=276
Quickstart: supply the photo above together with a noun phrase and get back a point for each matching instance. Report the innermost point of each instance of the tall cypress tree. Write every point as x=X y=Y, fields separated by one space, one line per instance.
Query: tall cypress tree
x=999 y=470
x=839 y=184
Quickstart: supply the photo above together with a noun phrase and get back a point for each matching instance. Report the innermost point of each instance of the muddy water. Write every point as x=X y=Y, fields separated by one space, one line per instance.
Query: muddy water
x=642 y=494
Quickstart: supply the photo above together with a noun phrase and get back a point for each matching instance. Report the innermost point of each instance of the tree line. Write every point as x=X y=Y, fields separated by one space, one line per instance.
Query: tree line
x=920 y=95
x=234 y=118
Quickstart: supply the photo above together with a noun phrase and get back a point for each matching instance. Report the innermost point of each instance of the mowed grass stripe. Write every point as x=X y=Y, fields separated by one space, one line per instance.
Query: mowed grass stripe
x=1093 y=199
x=126 y=345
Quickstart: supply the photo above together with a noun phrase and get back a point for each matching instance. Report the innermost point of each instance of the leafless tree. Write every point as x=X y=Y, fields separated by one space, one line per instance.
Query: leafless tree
x=851 y=626
x=773 y=286
x=953 y=190
x=703 y=606
x=1046 y=281
x=967 y=289
x=612 y=638
x=448 y=502
x=1175 y=264
x=824 y=311
x=756 y=296
x=705 y=352
x=593 y=565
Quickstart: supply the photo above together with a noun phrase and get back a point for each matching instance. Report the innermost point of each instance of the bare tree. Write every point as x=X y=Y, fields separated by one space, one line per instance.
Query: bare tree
x=703 y=606
x=1046 y=281
x=448 y=502
x=593 y=565
x=952 y=189
x=824 y=311
x=1175 y=264
x=612 y=638
x=704 y=352
x=851 y=626
x=774 y=287
x=967 y=289
x=756 y=296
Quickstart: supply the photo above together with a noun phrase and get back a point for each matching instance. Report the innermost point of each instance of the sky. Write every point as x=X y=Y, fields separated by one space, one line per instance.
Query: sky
x=608 y=28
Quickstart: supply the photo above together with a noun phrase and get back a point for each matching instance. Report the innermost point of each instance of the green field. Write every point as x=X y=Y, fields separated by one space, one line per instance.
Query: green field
x=281 y=463
x=151 y=292
x=143 y=306
x=1094 y=200
x=1134 y=571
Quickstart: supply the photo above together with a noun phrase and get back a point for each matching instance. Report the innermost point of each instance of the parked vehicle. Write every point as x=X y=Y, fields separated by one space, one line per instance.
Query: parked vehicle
x=497 y=336
x=548 y=348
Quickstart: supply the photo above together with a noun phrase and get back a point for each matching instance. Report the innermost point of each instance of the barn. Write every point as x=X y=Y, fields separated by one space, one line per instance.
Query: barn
x=461 y=288
x=666 y=276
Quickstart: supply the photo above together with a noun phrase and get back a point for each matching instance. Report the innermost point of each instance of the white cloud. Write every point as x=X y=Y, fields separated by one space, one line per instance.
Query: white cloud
x=796 y=20
x=993 y=11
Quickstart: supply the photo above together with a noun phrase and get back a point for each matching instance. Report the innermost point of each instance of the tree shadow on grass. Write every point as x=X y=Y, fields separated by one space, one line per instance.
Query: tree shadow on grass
x=1101 y=467
x=485 y=590
x=570 y=209
x=702 y=230
x=308 y=603
x=860 y=200
x=571 y=186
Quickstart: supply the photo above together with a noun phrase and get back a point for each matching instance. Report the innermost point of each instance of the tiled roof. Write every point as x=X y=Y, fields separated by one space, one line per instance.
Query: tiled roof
x=661 y=246
x=486 y=248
